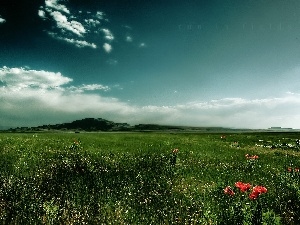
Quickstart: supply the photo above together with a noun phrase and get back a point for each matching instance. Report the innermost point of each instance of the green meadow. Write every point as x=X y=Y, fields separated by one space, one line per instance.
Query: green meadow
x=149 y=178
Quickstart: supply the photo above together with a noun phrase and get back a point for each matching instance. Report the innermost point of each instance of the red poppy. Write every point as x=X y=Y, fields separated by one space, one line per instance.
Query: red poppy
x=253 y=195
x=251 y=156
x=228 y=191
x=243 y=186
x=257 y=190
x=260 y=189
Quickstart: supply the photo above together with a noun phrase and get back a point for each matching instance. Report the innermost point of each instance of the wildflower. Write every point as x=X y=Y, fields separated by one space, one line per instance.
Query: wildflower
x=253 y=195
x=243 y=186
x=260 y=189
x=290 y=170
x=257 y=190
x=175 y=151
x=251 y=156
x=223 y=137
x=228 y=191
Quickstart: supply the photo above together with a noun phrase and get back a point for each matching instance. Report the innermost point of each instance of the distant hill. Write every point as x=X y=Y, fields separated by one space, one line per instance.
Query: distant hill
x=94 y=125
x=87 y=124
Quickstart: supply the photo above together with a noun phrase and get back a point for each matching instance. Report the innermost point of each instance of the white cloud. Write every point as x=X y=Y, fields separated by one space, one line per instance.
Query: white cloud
x=21 y=78
x=69 y=27
x=55 y=5
x=25 y=78
x=100 y=15
x=42 y=14
x=89 y=87
x=107 y=34
x=2 y=20
x=79 y=28
x=77 y=43
x=142 y=45
x=93 y=87
x=63 y=23
x=107 y=47
x=92 y=22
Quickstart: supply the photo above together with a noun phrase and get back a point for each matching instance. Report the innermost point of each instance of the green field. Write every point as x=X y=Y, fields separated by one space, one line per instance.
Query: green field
x=136 y=178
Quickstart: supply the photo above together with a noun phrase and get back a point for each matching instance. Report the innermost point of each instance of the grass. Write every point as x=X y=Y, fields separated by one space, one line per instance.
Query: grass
x=134 y=178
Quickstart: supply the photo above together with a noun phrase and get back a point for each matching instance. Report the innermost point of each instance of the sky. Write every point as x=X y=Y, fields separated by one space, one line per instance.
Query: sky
x=224 y=63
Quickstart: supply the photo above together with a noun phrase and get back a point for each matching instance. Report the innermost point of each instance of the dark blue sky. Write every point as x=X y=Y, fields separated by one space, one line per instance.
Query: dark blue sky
x=205 y=63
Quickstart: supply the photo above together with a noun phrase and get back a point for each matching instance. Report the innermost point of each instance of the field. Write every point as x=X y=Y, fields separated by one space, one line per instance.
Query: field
x=150 y=178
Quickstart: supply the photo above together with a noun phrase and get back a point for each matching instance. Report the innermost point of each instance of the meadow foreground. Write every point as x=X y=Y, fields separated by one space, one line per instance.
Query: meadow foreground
x=150 y=178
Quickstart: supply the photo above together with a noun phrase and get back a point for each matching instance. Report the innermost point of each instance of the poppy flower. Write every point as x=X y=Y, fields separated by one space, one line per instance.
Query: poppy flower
x=289 y=169
x=251 y=156
x=297 y=170
x=257 y=190
x=260 y=189
x=243 y=186
x=253 y=195
x=228 y=191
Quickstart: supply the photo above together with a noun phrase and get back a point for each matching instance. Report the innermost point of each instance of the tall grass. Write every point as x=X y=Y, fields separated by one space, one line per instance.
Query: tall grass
x=137 y=178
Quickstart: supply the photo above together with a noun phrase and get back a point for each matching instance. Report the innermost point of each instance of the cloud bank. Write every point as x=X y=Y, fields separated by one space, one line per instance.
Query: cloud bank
x=34 y=97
